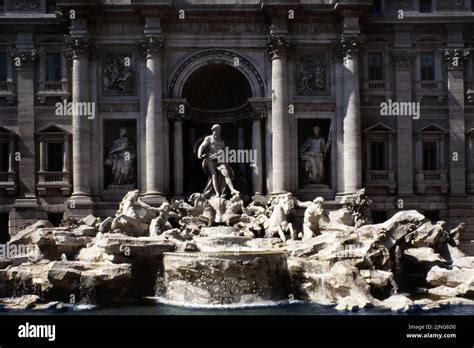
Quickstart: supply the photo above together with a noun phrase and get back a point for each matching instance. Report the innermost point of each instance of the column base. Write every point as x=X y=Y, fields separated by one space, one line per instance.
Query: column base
x=340 y=196
x=78 y=206
x=278 y=193
x=259 y=198
x=26 y=202
x=154 y=199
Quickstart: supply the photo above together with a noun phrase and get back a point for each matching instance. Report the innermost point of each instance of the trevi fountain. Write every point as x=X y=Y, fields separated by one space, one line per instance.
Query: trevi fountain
x=218 y=249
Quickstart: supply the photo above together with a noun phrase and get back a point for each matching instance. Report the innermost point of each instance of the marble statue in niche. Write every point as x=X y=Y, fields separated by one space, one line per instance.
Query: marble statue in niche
x=118 y=75
x=312 y=154
x=121 y=158
x=312 y=75
x=220 y=174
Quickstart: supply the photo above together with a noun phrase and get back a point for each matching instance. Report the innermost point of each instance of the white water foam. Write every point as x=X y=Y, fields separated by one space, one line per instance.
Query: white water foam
x=165 y=301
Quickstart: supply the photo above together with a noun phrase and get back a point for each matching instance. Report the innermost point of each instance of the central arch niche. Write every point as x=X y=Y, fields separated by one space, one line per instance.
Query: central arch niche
x=216 y=93
x=217 y=87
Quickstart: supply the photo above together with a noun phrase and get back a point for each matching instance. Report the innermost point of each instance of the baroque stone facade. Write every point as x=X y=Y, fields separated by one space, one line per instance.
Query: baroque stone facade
x=139 y=83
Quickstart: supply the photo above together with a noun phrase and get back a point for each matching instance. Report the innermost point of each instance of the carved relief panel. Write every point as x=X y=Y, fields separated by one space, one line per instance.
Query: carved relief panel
x=119 y=74
x=312 y=74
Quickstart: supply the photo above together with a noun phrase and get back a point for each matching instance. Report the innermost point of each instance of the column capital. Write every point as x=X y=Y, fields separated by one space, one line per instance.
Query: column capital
x=455 y=58
x=349 y=45
x=258 y=115
x=79 y=46
x=277 y=45
x=403 y=59
x=27 y=57
x=151 y=45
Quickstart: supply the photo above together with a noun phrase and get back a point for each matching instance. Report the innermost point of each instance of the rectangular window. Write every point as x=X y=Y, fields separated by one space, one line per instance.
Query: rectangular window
x=378 y=157
x=430 y=155
x=425 y=6
x=375 y=61
x=376 y=7
x=427 y=65
x=54 y=160
x=2 y=5
x=3 y=66
x=53 y=62
x=4 y=155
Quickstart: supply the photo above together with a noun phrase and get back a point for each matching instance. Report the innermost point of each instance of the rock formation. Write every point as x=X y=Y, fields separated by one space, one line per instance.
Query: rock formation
x=222 y=251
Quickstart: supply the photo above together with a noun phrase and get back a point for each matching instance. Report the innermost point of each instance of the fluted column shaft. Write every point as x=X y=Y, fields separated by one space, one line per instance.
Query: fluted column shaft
x=178 y=154
x=25 y=61
x=80 y=49
x=278 y=47
x=154 y=145
x=457 y=137
x=351 y=109
x=257 y=147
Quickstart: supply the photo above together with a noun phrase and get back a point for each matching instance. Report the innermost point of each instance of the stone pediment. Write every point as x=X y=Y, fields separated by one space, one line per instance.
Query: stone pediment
x=53 y=128
x=432 y=128
x=7 y=130
x=379 y=127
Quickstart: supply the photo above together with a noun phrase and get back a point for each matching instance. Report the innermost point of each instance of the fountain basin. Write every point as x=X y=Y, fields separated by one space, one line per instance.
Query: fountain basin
x=225 y=278
x=222 y=243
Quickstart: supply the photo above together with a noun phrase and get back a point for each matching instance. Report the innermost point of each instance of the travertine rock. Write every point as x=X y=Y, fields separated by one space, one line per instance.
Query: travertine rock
x=105 y=225
x=462 y=278
x=397 y=303
x=22 y=302
x=99 y=283
x=444 y=291
x=91 y=221
x=424 y=254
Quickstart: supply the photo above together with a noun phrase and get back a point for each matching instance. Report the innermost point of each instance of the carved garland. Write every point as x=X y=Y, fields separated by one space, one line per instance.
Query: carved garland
x=403 y=59
x=27 y=56
x=79 y=47
x=277 y=45
x=349 y=45
x=150 y=44
x=455 y=58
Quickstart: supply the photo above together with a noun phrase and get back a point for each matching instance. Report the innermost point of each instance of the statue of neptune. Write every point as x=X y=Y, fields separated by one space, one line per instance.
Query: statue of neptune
x=220 y=174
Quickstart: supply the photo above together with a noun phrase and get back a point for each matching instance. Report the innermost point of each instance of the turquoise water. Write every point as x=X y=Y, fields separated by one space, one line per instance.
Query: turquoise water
x=286 y=309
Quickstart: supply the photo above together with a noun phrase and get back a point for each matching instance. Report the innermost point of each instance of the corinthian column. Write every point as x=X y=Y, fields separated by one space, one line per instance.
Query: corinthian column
x=457 y=163
x=257 y=118
x=25 y=59
x=177 y=153
x=154 y=145
x=79 y=49
x=278 y=47
x=403 y=60
x=349 y=47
